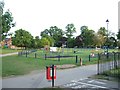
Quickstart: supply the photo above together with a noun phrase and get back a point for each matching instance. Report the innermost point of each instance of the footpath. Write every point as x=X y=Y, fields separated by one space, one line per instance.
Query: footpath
x=9 y=54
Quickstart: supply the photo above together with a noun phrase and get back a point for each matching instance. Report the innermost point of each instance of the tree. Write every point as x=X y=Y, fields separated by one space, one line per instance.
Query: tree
x=112 y=42
x=1 y=7
x=53 y=34
x=87 y=36
x=22 y=38
x=70 y=42
x=1 y=12
x=44 y=33
x=99 y=40
x=44 y=41
x=79 y=41
x=118 y=37
x=36 y=42
x=70 y=29
x=102 y=31
x=7 y=23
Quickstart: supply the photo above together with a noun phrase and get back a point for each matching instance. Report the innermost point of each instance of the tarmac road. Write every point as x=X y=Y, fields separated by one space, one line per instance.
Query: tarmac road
x=38 y=80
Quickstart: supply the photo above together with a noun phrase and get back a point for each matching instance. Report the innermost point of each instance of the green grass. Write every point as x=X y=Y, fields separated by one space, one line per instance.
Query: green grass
x=7 y=50
x=20 y=65
x=113 y=75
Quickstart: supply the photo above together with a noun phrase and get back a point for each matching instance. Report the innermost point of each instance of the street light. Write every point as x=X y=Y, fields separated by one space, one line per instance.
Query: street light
x=107 y=21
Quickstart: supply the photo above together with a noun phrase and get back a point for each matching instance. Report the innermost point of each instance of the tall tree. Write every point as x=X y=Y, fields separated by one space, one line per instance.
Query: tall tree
x=22 y=38
x=102 y=31
x=99 y=40
x=1 y=12
x=37 y=43
x=53 y=34
x=70 y=29
x=118 y=37
x=44 y=41
x=79 y=41
x=87 y=36
x=7 y=23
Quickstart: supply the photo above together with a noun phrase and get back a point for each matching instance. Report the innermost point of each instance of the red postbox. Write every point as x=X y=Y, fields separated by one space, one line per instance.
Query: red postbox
x=49 y=72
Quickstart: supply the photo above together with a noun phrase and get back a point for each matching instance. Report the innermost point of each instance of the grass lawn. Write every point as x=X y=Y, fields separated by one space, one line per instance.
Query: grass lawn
x=5 y=51
x=19 y=65
x=112 y=75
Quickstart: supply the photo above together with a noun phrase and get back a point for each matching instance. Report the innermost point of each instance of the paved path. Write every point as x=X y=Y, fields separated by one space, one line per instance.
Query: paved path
x=9 y=54
x=39 y=80
x=64 y=77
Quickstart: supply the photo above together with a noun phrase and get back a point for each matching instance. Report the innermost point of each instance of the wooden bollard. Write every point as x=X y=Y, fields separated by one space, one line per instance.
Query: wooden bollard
x=80 y=62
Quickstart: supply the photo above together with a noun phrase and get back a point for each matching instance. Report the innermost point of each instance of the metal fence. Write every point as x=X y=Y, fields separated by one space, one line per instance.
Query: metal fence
x=109 y=65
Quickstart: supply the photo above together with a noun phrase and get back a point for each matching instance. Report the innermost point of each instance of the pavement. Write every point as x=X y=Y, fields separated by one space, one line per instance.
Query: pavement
x=9 y=54
x=68 y=78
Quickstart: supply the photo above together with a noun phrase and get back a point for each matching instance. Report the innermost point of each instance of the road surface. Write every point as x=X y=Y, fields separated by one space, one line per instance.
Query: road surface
x=64 y=77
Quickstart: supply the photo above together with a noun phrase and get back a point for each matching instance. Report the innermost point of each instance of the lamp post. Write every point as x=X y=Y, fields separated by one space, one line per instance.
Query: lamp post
x=107 y=21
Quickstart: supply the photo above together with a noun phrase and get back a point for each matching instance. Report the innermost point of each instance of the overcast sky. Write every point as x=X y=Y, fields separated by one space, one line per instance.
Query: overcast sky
x=37 y=15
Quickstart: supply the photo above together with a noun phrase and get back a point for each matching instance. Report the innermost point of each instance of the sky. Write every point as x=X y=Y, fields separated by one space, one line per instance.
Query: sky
x=37 y=15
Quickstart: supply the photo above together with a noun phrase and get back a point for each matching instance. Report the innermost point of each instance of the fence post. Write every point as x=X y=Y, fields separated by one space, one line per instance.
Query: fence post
x=98 y=63
x=115 y=61
x=89 y=58
x=45 y=56
x=35 y=55
x=58 y=57
x=26 y=53
x=80 y=61
x=76 y=58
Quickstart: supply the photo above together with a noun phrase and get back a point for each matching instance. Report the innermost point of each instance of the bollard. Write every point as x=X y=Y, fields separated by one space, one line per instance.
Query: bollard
x=45 y=56
x=98 y=64
x=89 y=58
x=58 y=57
x=26 y=54
x=76 y=58
x=35 y=55
x=80 y=62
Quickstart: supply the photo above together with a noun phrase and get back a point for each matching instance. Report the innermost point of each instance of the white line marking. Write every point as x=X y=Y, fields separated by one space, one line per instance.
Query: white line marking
x=94 y=81
x=69 y=85
x=83 y=78
x=90 y=81
x=74 y=81
x=92 y=85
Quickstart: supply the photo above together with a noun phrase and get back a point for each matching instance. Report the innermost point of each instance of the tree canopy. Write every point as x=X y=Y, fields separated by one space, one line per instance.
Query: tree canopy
x=22 y=38
x=6 y=21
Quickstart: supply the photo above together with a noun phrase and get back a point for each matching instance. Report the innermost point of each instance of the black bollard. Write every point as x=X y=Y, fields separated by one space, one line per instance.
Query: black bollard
x=58 y=57
x=45 y=56
x=35 y=55
x=26 y=54
x=98 y=63
x=76 y=58
x=89 y=58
